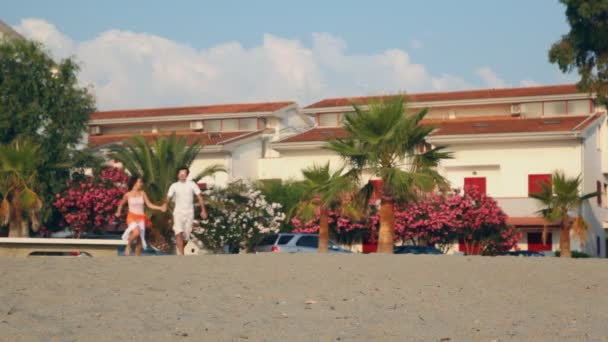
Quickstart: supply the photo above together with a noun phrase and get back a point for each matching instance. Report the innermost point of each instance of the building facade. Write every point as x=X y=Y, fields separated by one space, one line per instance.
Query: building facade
x=505 y=141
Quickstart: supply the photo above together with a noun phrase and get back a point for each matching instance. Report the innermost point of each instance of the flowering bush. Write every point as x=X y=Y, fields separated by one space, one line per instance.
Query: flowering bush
x=473 y=218
x=89 y=203
x=237 y=217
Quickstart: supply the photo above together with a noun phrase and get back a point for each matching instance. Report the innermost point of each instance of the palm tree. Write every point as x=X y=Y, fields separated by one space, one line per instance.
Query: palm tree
x=158 y=163
x=18 y=177
x=558 y=199
x=325 y=191
x=383 y=141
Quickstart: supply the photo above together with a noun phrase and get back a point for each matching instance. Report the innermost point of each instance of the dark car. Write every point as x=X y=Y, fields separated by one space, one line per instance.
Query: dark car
x=416 y=250
x=526 y=254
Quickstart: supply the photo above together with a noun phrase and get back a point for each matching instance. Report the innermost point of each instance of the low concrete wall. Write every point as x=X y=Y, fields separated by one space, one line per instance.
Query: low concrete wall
x=23 y=247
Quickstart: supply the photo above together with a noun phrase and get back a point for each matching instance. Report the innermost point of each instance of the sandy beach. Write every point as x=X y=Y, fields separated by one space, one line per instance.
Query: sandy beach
x=279 y=297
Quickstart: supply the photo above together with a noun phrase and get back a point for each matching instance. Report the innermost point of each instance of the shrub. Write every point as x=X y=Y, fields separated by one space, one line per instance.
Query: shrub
x=237 y=216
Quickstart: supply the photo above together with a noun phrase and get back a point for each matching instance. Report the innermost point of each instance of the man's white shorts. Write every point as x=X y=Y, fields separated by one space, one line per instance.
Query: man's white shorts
x=182 y=223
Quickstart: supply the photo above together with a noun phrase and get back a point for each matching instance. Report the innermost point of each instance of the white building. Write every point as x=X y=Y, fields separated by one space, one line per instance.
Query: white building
x=503 y=140
x=234 y=135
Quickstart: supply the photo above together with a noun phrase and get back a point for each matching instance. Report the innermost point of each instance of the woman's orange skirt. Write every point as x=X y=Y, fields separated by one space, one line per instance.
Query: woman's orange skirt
x=133 y=217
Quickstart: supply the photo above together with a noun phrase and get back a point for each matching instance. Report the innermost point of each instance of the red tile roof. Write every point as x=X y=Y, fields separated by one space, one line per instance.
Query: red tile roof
x=203 y=137
x=318 y=134
x=457 y=95
x=203 y=110
x=479 y=125
x=485 y=126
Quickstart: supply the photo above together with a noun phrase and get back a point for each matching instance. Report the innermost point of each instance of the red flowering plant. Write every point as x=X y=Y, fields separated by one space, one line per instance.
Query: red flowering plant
x=441 y=220
x=89 y=203
x=481 y=224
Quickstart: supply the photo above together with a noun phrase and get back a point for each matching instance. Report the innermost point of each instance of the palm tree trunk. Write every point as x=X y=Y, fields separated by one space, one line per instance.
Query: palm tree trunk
x=564 y=240
x=323 y=231
x=387 y=221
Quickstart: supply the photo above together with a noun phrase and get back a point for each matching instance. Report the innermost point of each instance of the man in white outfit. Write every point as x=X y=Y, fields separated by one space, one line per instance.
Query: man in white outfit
x=183 y=192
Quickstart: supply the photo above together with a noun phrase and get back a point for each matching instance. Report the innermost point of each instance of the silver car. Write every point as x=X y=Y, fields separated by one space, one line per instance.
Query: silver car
x=295 y=243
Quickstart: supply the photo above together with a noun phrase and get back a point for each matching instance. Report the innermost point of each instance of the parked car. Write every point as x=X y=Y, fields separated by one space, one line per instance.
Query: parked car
x=295 y=243
x=526 y=254
x=416 y=250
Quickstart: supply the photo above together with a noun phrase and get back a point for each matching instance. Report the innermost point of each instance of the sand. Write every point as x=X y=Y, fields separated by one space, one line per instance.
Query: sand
x=280 y=297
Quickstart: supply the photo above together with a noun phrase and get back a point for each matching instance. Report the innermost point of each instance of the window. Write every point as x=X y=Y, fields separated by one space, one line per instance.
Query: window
x=284 y=239
x=248 y=124
x=230 y=125
x=268 y=240
x=579 y=107
x=555 y=108
x=533 y=110
x=598 y=188
x=479 y=182
x=328 y=120
x=535 y=183
x=213 y=125
x=535 y=242
x=311 y=241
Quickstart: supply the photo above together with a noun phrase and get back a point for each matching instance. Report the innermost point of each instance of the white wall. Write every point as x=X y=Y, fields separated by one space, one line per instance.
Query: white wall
x=290 y=164
x=245 y=160
x=593 y=213
x=204 y=160
x=506 y=166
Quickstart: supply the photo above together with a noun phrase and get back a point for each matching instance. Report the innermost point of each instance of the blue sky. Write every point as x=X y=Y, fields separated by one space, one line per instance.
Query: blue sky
x=305 y=50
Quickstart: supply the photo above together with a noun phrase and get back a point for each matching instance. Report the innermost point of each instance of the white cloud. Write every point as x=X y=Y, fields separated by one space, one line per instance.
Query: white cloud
x=490 y=78
x=131 y=69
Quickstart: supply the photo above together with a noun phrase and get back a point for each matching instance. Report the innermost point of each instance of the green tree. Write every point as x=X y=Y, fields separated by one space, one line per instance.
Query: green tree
x=20 y=206
x=40 y=100
x=325 y=191
x=157 y=163
x=585 y=47
x=385 y=142
x=288 y=193
x=558 y=200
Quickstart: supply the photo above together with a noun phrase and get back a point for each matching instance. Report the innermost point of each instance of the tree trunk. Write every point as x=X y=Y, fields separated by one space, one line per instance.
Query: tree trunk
x=564 y=239
x=387 y=227
x=323 y=231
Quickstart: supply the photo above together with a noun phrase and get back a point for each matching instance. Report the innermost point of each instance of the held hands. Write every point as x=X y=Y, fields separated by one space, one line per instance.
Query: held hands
x=203 y=214
x=163 y=207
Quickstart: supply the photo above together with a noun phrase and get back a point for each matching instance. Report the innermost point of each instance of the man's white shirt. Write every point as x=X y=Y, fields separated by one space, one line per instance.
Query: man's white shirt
x=183 y=195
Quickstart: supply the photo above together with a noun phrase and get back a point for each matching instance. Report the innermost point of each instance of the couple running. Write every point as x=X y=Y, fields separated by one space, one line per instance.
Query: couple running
x=182 y=192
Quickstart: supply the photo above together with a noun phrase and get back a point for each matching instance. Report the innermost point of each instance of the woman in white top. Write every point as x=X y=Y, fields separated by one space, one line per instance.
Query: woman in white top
x=136 y=217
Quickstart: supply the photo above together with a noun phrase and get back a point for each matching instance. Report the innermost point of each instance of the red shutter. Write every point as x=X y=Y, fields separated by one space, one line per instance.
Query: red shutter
x=535 y=181
x=598 y=188
x=479 y=182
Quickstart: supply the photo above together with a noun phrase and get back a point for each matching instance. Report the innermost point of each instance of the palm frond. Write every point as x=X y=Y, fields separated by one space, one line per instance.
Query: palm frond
x=210 y=171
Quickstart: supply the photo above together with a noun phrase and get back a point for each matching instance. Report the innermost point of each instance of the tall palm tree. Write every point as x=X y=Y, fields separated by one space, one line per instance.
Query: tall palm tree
x=326 y=191
x=18 y=178
x=383 y=141
x=157 y=163
x=558 y=199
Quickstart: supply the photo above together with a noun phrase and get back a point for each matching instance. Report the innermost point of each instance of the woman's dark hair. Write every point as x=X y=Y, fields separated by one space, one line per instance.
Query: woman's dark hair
x=131 y=182
x=184 y=168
